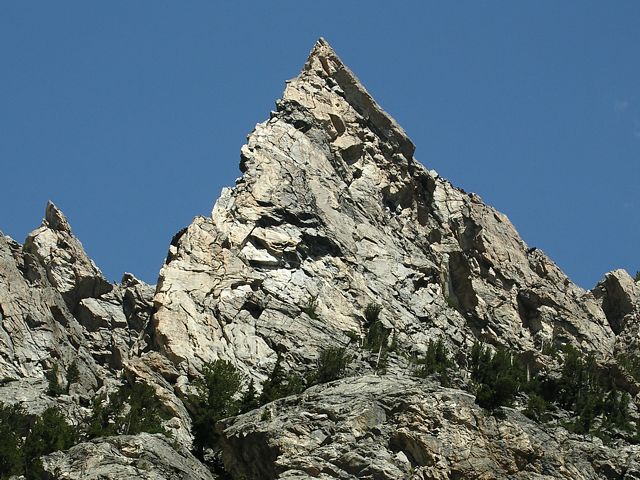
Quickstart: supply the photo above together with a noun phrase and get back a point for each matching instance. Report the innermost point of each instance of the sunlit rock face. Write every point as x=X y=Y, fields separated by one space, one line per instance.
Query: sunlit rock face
x=333 y=206
x=332 y=214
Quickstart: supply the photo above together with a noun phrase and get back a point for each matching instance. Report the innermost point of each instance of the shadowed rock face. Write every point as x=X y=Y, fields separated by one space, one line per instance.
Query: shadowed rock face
x=332 y=213
x=619 y=296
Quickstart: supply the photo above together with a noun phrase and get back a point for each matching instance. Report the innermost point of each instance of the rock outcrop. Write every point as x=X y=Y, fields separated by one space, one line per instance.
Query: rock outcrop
x=397 y=427
x=332 y=214
x=619 y=297
x=145 y=457
x=58 y=309
x=332 y=207
x=69 y=270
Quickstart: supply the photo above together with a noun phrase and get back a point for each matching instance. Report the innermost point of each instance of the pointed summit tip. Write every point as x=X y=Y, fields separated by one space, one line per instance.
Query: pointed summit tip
x=321 y=43
x=55 y=219
x=324 y=63
x=321 y=51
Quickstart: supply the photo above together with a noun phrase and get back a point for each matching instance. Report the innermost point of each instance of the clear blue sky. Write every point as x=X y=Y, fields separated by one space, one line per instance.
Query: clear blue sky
x=130 y=115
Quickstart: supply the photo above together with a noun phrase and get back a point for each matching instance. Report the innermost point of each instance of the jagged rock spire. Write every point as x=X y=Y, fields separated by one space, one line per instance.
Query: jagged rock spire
x=332 y=214
x=332 y=207
x=323 y=63
x=68 y=266
x=55 y=219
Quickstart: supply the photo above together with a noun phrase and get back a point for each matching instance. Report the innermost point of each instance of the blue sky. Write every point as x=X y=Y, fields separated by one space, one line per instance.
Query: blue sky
x=130 y=115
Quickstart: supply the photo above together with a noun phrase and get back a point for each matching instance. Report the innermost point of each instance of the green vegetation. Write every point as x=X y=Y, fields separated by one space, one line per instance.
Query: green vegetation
x=372 y=312
x=55 y=388
x=631 y=364
x=637 y=277
x=250 y=399
x=451 y=301
x=330 y=365
x=219 y=395
x=585 y=390
x=435 y=362
x=217 y=390
x=280 y=384
x=23 y=443
x=394 y=342
x=311 y=307
x=536 y=407
x=354 y=337
x=135 y=408
x=73 y=375
x=499 y=376
x=377 y=336
x=131 y=410
x=549 y=349
x=13 y=426
x=582 y=388
x=49 y=433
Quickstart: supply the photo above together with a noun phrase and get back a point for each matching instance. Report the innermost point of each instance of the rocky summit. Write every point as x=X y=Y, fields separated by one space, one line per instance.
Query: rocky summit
x=343 y=313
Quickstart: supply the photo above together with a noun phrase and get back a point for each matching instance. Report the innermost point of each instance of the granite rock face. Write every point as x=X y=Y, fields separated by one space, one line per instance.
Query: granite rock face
x=332 y=213
x=333 y=207
x=395 y=427
x=619 y=296
x=57 y=308
x=67 y=266
x=58 y=311
x=144 y=456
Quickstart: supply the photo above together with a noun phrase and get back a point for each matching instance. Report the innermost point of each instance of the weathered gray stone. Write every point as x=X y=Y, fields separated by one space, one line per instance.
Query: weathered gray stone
x=333 y=207
x=332 y=213
x=50 y=318
x=144 y=456
x=395 y=427
x=68 y=267
x=619 y=295
x=158 y=371
x=37 y=329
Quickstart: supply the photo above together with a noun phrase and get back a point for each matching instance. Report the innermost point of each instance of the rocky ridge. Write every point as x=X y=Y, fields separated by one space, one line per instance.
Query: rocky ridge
x=332 y=206
x=332 y=213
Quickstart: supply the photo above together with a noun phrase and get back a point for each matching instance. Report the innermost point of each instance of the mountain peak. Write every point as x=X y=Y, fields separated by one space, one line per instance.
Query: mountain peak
x=333 y=209
x=321 y=49
x=69 y=268
x=325 y=76
x=55 y=219
x=336 y=254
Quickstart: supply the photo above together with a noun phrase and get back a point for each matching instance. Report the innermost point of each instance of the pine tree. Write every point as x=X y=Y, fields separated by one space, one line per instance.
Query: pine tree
x=249 y=400
x=215 y=400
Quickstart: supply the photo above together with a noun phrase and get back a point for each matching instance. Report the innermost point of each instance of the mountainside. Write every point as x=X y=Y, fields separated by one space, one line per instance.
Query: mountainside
x=343 y=313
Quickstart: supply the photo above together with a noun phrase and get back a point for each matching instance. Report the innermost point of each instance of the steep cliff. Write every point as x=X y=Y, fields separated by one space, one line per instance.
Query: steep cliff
x=333 y=206
x=332 y=216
